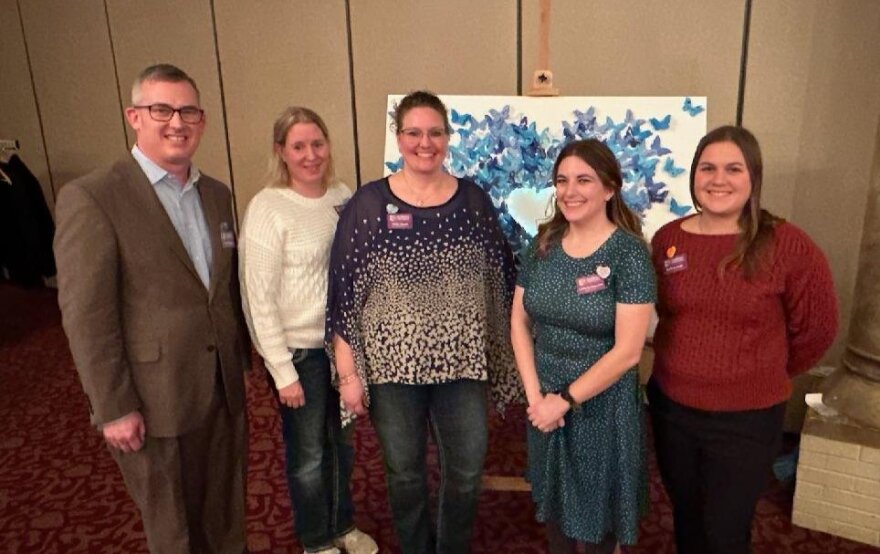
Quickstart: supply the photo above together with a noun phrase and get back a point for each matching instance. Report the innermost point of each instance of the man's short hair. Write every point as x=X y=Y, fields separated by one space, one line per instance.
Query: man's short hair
x=162 y=72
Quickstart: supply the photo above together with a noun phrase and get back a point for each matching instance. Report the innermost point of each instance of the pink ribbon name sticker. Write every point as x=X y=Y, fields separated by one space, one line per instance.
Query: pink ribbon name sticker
x=675 y=264
x=399 y=221
x=588 y=284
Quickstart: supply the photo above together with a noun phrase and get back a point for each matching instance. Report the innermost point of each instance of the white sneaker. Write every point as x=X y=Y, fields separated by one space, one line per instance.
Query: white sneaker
x=328 y=550
x=356 y=542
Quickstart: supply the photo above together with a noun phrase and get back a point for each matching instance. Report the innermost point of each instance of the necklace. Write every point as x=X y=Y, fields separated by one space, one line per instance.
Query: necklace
x=420 y=199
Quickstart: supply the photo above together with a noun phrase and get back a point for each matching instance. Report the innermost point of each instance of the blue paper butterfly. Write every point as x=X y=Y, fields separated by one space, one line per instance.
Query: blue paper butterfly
x=669 y=167
x=660 y=124
x=678 y=209
x=690 y=108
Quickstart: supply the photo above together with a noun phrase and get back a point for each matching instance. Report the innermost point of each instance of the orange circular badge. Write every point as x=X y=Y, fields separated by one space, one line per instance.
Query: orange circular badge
x=670 y=252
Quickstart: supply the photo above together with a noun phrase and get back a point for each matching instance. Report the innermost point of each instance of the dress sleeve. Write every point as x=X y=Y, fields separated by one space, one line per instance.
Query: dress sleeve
x=500 y=248
x=348 y=282
x=636 y=282
x=260 y=272
x=504 y=380
x=810 y=303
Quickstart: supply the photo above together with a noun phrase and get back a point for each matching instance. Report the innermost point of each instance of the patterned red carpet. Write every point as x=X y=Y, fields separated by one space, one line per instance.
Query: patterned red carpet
x=61 y=492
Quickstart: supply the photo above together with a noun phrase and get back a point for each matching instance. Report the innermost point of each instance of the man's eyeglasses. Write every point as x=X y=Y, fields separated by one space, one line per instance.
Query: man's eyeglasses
x=164 y=113
x=415 y=135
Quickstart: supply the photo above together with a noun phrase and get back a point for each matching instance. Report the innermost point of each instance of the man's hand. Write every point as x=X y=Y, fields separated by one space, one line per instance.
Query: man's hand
x=292 y=395
x=126 y=433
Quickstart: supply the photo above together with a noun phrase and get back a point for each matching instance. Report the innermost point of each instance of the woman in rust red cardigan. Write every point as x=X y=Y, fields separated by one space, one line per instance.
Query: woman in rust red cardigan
x=746 y=302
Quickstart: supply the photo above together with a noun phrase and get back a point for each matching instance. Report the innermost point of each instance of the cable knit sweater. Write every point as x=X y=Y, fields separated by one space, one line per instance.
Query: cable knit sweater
x=284 y=252
x=728 y=344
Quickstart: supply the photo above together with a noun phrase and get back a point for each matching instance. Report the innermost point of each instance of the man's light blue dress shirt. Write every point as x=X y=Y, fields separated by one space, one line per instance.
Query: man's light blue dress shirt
x=184 y=207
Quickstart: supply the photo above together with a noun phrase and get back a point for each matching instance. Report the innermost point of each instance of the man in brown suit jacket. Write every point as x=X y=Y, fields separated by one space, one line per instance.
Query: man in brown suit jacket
x=149 y=294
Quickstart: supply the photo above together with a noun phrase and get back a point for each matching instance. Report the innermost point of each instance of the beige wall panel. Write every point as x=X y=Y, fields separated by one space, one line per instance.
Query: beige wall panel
x=275 y=54
x=18 y=115
x=829 y=144
x=775 y=93
x=451 y=47
x=180 y=33
x=75 y=85
x=642 y=48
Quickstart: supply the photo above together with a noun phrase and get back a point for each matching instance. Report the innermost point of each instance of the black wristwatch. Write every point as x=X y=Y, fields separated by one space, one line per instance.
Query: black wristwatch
x=572 y=403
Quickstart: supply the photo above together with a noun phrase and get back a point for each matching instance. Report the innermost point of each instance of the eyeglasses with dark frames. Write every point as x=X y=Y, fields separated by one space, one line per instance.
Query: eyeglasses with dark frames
x=164 y=113
x=415 y=135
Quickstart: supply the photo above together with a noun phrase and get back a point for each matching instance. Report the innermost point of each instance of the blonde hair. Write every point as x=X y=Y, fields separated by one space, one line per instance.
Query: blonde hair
x=278 y=176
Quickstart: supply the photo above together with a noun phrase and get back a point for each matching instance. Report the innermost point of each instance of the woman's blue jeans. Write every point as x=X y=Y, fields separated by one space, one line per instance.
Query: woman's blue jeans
x=319 y=455
x=456 y=414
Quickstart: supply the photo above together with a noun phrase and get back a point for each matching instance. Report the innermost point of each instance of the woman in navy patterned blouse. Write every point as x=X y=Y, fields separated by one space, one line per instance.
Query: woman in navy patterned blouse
x=421 y=281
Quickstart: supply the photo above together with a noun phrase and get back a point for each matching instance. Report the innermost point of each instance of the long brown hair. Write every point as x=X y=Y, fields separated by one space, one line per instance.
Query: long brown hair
x=756 y=223
x=598 y=156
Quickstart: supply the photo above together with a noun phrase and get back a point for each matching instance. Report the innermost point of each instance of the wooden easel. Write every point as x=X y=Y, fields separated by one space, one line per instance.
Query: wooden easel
x=542 y=85
x=542 y=79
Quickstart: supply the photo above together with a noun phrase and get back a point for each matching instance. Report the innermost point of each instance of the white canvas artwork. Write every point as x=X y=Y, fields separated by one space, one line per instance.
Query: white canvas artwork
x=508 y=144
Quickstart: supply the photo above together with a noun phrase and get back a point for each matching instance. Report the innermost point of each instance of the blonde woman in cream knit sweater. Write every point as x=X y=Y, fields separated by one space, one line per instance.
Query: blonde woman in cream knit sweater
x=284 y=254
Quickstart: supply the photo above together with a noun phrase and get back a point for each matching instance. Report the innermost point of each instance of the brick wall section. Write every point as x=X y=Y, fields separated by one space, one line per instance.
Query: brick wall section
x=838 y=486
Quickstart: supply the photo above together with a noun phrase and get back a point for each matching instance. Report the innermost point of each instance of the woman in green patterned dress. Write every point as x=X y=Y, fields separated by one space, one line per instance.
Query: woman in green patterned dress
x=581 y=310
